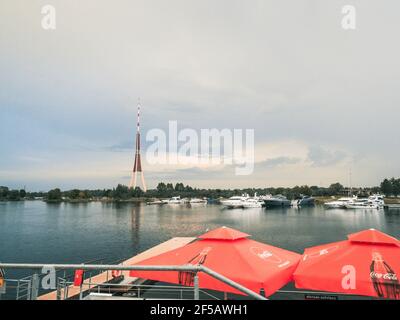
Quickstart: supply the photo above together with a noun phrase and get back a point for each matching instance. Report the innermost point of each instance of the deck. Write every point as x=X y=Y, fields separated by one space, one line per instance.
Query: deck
x=171 y=244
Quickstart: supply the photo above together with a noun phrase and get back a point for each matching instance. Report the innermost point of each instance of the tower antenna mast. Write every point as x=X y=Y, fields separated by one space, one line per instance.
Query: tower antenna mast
x=137 y=167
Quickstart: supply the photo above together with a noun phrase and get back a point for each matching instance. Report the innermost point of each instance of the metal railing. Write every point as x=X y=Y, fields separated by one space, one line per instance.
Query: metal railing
x=105 y=267
x=138 y=291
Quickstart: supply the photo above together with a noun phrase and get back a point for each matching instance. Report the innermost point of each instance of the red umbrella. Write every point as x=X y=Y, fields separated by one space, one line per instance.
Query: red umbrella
x=230 y=253
x=366 y=264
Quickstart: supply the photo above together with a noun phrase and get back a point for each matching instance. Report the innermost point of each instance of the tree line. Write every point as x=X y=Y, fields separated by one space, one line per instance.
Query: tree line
x=388 y=187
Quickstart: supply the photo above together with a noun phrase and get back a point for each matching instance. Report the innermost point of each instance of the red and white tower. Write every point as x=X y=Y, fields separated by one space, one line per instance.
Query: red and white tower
x=137 y=167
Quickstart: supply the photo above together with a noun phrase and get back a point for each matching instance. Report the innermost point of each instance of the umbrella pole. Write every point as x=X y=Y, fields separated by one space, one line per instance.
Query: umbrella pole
x=196 y=287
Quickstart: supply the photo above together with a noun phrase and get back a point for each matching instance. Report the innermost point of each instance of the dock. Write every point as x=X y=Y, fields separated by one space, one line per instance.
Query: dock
x=101 y=278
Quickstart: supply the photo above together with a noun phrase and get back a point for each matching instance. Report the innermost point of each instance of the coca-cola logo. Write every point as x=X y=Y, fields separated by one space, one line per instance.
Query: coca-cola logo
x=384 y=276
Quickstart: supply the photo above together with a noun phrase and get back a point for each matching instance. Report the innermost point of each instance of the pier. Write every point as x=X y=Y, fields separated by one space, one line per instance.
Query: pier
x=72 y=291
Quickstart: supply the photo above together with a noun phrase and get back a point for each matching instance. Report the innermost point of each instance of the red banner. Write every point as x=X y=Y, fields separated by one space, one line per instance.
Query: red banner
x=78 y=278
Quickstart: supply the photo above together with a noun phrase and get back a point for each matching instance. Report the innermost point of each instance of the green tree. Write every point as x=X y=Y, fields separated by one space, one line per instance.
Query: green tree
x=22 y=193
x=121 y=192
x=14 y=195
x=161 y=187
x=386 y=187
x=137 y=192
x=73 y=194
x=54 y=195
x=395 y=186
x=336 y=188
x=84 y=194
x=179 y=187
x=3 y=192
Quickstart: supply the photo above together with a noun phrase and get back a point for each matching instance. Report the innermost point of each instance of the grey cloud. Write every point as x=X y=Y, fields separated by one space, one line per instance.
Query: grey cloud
x=284 y=68
x=273 y=162
x=321 y=157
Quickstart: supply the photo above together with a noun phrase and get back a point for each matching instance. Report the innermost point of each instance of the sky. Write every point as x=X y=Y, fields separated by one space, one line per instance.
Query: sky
x=323 y=101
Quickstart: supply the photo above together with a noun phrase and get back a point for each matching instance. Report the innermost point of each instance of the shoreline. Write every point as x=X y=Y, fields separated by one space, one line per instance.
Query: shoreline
x=318 y=200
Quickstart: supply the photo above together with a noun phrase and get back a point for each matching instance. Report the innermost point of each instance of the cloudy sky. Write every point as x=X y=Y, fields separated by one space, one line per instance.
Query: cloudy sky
x=322 y=100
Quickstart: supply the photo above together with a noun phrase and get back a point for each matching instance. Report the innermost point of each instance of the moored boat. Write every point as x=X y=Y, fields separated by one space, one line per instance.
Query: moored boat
x=155 y=202
x=234 y=202
x=253 y=203
x=362 y=205
x=303 y=201
x=375 y=201
x=340 y=203
x=277 y=201
x=174 y=200
x=197 y=200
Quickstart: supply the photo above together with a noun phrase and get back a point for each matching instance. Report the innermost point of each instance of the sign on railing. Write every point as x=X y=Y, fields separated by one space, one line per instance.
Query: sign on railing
x=78 y=278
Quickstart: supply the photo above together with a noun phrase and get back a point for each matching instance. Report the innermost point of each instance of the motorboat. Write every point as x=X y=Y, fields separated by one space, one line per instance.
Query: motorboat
x=155 y=202
x=340 y=203
x=234 y=202
x=174 y=200
x=377 y=198
x=277 y=201
x=253 y=203
x=197 y=201
x=303 y=201
x=362 y=205
x=375 y=201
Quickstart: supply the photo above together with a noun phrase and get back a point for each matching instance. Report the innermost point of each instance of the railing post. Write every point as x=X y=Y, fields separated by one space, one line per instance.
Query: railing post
x=196 y=287
x=80 y=291
x=80 y=287
x=28 y=290
x=35 y=286
x=18 y=289
x=66 y=290
x=58 y=289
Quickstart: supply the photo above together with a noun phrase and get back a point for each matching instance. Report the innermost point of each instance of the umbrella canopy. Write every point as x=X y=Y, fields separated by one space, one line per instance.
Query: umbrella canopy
x=366 y=264
x=230 y=253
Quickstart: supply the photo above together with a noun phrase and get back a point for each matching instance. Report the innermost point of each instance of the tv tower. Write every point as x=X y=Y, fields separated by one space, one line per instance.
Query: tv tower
x=137 y=167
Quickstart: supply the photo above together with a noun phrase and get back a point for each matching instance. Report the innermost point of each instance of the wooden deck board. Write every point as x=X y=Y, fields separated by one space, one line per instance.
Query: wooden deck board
x=102 y=277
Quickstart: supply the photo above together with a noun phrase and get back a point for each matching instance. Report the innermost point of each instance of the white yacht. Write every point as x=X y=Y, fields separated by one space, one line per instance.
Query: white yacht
x=377 y=198
x=375 y=201
x=362 y=204
x=197 y=200
x=234 y=202
x=340 y=203
x=174 y=200
x=253 y=203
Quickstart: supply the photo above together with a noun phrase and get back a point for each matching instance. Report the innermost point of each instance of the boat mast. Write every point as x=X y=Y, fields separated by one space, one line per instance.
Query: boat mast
x=350 y=189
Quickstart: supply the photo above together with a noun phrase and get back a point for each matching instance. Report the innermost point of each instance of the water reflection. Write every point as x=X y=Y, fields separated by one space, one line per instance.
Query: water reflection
x=34 y=231
x=135 y=226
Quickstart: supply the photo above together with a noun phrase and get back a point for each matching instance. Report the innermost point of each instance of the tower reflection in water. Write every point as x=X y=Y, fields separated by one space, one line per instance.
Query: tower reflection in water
x=135 y=227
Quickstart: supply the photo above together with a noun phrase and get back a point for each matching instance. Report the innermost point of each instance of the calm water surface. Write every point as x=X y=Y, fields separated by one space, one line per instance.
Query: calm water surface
x=36 y=232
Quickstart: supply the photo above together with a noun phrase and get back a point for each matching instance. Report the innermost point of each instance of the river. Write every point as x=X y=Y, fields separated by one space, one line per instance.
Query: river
x=37 y=232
